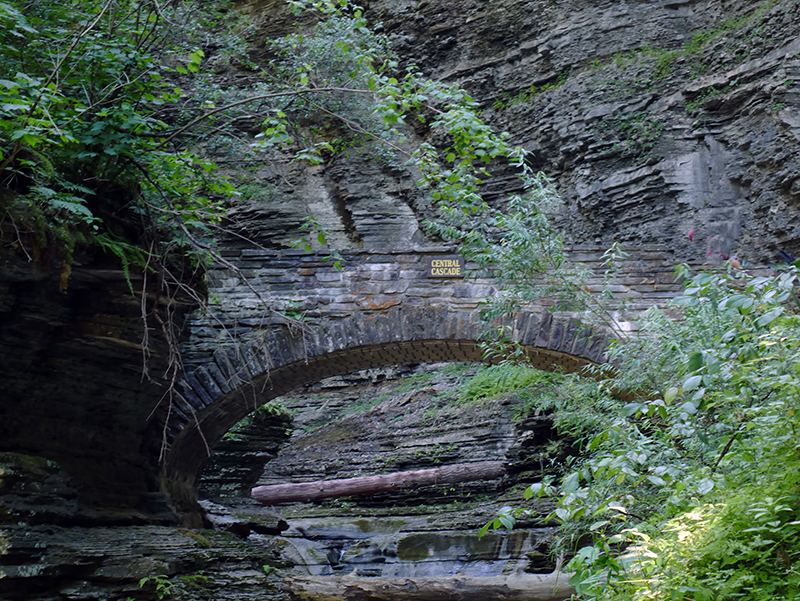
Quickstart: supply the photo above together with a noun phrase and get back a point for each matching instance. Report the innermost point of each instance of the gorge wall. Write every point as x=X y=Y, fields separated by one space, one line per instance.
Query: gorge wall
x=654 y=118
x=647 y=139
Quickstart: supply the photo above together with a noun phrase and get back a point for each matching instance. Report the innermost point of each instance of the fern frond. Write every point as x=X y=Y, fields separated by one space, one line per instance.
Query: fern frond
x=75 y=188
x=44 y=165
x=71 y=204
x=127 y=253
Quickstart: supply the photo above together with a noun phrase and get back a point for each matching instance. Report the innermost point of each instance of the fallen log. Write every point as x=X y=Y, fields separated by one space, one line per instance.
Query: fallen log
x=527 y=587
x=304 y=492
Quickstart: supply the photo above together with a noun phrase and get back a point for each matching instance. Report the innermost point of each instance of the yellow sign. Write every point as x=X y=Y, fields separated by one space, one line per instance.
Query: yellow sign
x=445 y=267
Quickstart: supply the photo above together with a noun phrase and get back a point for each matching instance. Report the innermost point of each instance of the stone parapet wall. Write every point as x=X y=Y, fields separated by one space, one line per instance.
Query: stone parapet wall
x=374 y=280
x=273 y=286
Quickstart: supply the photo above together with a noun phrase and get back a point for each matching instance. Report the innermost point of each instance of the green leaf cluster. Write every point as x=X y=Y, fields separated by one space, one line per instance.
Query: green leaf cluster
x=88 y=92
x=496 y=380
x=689 y=488
x=636 y=133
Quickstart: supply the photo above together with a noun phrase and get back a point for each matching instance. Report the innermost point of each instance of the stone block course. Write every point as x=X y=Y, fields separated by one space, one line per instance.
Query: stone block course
x=324 y=276
x=379 y=310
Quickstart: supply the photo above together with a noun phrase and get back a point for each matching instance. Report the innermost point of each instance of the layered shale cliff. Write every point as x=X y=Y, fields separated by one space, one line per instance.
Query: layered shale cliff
x=655 y=118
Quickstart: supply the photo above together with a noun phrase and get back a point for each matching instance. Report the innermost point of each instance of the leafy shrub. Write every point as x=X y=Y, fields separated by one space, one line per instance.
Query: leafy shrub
x=84 y=111
x=690 y=488
x=638 y=133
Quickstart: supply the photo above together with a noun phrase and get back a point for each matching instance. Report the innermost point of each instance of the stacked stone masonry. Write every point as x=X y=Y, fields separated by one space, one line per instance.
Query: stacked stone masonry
x=380 y=309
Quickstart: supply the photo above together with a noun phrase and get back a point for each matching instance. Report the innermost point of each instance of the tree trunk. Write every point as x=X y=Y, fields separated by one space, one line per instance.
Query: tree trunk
x=366 y=485
x=528 y=587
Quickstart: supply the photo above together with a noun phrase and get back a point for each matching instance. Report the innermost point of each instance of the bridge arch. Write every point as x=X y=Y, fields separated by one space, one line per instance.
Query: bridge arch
x=244 y=376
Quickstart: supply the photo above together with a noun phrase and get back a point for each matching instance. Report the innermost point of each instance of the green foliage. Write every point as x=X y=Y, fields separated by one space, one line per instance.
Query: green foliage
x=347 y=73
x=160 y=584
x=364 y=405
x=777 y=106
x=689 y=488
x=497 y=380
x=435 y=454
x=503 y=238
x=341 y=60
x=314 y=233
x=294 y=311
x=272 y=408
x=506 y=518
x=197 y=582
x=530 y=93
x=164 y=588
x=82 y=130
x=107 y=113
x=415 y=382
x=729 y=25
x=664 y=60
x=637 y=133
x=743 y=545
x=519 y=247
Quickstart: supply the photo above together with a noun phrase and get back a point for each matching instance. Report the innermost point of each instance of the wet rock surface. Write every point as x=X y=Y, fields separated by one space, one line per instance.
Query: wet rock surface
x=414 y=423
x=55 y=548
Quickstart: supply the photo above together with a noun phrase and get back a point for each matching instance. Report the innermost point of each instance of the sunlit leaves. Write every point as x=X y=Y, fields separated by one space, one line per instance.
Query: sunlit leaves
x=704 y=463
x=195 y=58
x=710 y=466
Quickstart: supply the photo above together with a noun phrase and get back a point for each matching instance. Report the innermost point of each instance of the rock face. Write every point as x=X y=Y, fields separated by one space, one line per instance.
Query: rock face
x=53 y=548
x=407 y=432
x=73 y=389
x=370 y=428
x=239 y=461
x=654 y=118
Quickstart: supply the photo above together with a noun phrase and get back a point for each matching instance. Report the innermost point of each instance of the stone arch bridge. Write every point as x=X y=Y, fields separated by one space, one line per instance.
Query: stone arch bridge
x=383 y=308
